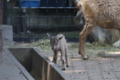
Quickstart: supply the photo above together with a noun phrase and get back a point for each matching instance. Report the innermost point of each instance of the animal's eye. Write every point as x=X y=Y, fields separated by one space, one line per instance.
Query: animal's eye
x=56 y=41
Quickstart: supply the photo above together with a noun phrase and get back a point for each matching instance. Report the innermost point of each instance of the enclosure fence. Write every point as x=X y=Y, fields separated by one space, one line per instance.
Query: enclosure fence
x=32 y=19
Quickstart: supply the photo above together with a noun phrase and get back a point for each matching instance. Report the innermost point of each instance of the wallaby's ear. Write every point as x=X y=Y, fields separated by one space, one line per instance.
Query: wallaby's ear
x=61 y=37
x=49 y=36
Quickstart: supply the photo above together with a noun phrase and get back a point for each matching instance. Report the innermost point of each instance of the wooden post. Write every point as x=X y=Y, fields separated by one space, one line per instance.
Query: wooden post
x=1 y=44
x=1 y=17
x=1 y=13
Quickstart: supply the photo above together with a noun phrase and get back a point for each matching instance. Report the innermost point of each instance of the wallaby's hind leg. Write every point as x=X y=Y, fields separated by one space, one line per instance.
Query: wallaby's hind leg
x=55 y=57
x=63 y=60
x=67 y=57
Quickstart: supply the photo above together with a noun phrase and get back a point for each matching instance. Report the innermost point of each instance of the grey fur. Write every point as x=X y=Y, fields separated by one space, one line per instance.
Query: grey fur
x=58 y=43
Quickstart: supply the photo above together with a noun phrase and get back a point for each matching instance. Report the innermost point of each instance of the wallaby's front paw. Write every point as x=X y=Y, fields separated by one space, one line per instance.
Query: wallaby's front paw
x=63 y=68
x=67 y=65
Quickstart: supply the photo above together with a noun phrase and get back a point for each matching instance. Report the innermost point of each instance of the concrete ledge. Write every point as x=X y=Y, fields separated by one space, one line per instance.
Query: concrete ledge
x=36 y=64
x=17 y=63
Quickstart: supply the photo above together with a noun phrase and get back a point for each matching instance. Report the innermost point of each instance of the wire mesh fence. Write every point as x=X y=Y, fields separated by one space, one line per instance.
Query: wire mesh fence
x=32 y=19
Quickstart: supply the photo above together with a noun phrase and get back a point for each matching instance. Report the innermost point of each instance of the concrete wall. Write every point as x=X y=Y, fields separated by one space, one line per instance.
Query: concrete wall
x=39 y=66
x=7 y=34
x=6 y=37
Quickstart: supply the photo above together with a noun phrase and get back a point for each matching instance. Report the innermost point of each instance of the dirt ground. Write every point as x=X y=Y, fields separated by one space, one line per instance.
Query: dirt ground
x=103 y=64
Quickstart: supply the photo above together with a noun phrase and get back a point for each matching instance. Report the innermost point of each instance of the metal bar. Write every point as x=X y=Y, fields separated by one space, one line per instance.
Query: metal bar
x=41 y=16
x=3 y=11
x=49 y=7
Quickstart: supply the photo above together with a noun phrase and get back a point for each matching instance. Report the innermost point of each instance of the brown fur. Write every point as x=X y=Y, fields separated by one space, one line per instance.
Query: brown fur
x=103 y=13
